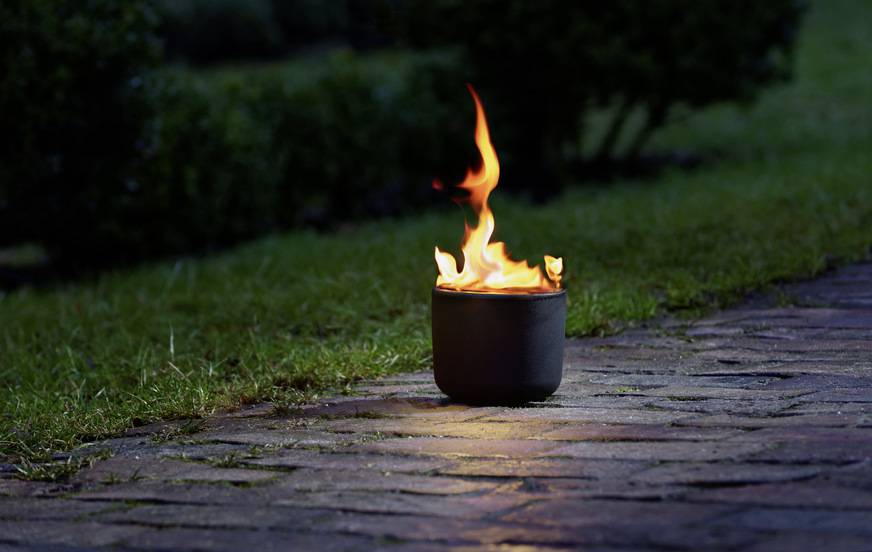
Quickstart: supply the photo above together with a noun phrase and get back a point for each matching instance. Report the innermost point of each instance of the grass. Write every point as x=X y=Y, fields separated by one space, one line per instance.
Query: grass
x=43 y=468
x=783 y=194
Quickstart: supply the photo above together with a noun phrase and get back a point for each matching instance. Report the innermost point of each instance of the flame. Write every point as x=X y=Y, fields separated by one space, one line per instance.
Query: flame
x=487 y=267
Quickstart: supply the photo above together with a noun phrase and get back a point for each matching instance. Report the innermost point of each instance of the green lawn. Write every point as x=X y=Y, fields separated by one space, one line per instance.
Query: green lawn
x=783 y=192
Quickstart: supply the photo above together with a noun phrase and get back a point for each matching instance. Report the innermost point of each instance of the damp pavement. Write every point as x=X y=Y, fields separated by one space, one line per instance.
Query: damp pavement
x=747 y=430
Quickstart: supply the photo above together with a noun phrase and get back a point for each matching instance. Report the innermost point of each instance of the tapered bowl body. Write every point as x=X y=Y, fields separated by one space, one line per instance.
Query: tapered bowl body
x=498 y=349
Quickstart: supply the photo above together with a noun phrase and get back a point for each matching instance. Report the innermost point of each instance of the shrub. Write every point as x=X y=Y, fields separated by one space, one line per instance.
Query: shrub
x=113 y=168
x=112 y=159
x=348 y=138
x=542 y=66
x=238 y=154
x=208 y=181
x=75 y=101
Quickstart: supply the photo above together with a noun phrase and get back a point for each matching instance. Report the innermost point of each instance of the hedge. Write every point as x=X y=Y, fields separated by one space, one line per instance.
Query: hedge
x=77 y=115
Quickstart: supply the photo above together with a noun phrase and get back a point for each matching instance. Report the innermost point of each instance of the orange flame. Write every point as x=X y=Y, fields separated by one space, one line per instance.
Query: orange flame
x=487 y=267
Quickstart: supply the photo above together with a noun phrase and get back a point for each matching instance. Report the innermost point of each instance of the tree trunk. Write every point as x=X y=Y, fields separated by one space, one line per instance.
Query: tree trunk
x=655 y=119
x=607 y=146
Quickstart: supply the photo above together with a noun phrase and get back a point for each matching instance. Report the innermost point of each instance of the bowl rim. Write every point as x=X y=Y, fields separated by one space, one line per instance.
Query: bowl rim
x=491 y=296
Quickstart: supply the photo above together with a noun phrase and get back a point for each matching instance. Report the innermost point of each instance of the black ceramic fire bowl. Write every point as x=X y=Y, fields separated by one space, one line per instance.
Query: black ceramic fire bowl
x=498 y=349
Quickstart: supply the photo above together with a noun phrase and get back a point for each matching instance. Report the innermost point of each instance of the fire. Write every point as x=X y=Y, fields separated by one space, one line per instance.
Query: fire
x=487 y=267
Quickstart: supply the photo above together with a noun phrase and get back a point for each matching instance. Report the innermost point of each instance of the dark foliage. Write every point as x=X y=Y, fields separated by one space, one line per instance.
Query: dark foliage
x=542 y=66
x=108 y=157
x=210 y=31
x=77 y=116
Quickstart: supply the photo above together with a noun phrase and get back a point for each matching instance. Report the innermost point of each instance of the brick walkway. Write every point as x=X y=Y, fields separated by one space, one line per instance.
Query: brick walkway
x=748 y=430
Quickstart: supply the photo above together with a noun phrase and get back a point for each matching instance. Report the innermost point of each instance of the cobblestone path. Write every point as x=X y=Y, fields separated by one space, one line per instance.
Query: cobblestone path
x=748 y=430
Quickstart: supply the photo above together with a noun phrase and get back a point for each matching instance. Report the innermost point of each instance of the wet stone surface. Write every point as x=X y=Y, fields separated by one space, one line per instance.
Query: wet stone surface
x=747 y=430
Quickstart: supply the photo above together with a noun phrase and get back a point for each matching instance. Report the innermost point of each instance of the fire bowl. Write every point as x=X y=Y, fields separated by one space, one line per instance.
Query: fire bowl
x=498 y=349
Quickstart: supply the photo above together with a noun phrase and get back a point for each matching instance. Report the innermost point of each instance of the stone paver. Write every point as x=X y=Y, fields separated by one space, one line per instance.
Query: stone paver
x=747 y=430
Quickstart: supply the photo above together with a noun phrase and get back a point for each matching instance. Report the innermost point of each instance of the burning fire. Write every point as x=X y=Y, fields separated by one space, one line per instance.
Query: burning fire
x=487 y=267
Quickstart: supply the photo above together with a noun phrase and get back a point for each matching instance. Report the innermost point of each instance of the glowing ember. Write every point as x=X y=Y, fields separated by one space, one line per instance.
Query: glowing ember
x=487 y=267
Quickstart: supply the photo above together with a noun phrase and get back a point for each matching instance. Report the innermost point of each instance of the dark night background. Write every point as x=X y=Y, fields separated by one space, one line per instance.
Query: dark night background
x=138 y=129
